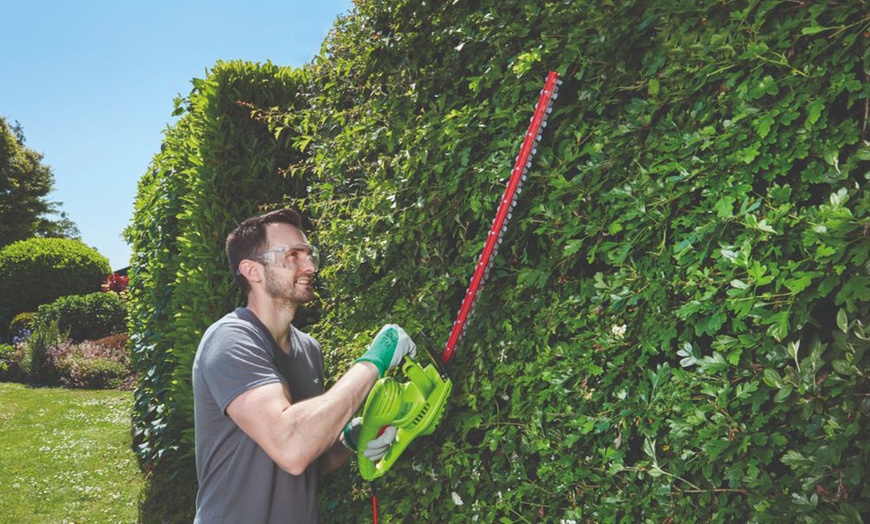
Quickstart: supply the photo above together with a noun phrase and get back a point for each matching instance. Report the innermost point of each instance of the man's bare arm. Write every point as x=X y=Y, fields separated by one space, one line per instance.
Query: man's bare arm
x=295 y=434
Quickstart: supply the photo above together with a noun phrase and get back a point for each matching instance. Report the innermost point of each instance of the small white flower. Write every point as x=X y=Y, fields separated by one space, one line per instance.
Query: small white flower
x=457 y=500
x=618 y=331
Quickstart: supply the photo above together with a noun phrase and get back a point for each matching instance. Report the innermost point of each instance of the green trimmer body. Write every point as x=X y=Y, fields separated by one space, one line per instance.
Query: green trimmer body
x=415 y=407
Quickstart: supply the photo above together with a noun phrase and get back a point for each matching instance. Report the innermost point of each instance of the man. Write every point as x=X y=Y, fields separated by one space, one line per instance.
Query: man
x=265 y=427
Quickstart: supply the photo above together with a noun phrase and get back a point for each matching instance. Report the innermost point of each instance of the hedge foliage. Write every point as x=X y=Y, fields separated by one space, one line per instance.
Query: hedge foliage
x=675 y=328
x=216 y=167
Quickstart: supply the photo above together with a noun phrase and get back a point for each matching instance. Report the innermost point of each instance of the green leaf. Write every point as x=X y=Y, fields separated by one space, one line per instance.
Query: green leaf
x=792 y=349
x=843 y=321
x=799 y=283
x=724 y=207
x=753 y=223
x=649 y=448
x=765 y=86
x=813 y=30
x=842 y=367
x=795 y=460
x=813 y=112
x=713 y=364
x=783 y=394
x=762 y=125
x=572 y=247
x=744 y=390
x=739 y=284
x=839 y=198
x=715 y=447
x=779 y=323
x=772 y=378
x=857 y=289
x=763 y=226
x=530 y=277
x=747 y=154
x=849 y=513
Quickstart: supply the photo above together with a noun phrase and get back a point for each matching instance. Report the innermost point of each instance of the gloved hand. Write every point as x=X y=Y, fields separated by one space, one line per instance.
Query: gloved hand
x=389 y=347
x=376 y=448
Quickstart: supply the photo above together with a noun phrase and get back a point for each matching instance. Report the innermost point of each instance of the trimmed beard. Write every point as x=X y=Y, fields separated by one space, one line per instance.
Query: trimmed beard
x=283 y=291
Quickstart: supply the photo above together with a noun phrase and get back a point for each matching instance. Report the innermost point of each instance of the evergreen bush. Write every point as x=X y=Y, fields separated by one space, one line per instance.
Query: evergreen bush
x=87 y=317
x=39 y=270
x=675 y=327
x=218 y=165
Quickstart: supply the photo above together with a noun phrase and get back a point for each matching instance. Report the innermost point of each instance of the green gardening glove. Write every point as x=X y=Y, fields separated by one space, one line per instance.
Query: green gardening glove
x=389 y=347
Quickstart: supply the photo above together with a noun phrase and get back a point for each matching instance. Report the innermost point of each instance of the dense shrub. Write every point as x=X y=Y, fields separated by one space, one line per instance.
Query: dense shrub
x=39 y=270
x=90 y=364
x=217 y=166
x=7 y=351
x=22 y=323
x=37 y=363
x=11 y=358
x=675 y=327
x=87 y=317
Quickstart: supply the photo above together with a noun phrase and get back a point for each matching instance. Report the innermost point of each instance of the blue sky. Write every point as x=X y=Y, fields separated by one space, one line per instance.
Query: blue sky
x=92 y=84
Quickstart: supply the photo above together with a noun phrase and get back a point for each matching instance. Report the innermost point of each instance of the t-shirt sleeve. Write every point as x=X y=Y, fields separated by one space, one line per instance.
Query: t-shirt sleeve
x=236 y=359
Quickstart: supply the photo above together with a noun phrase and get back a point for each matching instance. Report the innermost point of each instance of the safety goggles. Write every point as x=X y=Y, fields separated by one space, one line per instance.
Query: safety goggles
x=293 y=256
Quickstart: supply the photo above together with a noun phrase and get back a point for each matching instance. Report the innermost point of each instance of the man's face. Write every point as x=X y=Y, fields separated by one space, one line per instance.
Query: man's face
x=292 y=284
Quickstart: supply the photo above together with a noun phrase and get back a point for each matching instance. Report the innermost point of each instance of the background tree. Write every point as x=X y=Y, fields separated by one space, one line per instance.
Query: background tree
x=25 y=183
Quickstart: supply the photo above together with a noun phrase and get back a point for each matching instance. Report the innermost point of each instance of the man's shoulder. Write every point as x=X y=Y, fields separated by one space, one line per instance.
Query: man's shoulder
x=227 y=332
x=232 y=321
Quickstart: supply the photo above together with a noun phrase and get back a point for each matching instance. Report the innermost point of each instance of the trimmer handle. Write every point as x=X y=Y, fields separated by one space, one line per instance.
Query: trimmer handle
x=414 y=407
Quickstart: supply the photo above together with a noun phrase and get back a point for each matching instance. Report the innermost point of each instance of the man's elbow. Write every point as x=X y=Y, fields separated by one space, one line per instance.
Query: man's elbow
x=295 y=463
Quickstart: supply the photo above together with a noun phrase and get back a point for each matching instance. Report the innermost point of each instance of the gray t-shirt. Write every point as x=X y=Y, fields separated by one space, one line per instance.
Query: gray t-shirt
x=238 y=482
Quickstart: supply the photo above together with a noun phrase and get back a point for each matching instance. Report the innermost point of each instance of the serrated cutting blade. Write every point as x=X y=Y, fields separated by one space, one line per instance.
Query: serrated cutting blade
x=503 y=215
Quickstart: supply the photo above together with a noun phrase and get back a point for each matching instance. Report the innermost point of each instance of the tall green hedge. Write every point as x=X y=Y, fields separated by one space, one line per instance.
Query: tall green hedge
x=675 y=328
x=217 y=165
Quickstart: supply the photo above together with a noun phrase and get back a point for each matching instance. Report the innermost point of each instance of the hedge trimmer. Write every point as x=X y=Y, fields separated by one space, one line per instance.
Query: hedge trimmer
x=417 y=406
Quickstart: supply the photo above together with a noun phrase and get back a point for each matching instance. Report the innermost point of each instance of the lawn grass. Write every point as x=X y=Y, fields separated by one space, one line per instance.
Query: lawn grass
x=65 y=456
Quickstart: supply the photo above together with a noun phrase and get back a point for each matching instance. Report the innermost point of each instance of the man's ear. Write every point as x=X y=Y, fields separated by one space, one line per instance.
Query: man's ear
x=251 y=270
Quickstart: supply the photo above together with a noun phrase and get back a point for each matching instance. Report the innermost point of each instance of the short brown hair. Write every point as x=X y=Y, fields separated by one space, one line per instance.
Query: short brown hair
x=249 y=238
